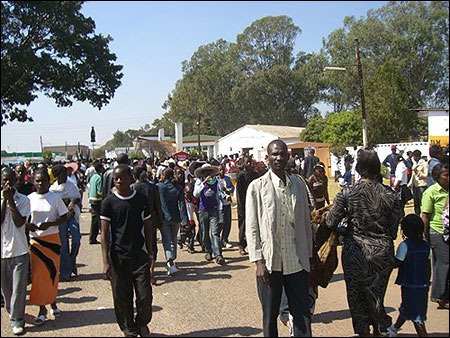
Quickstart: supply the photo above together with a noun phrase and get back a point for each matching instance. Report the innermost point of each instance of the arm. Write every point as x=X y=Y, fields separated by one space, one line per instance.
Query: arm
x=198 y=188
x=60 y=220
x=426 y=220
x=148 y=237
x=337 y=212
x=4 y=202
x=327 y=198
x=182 y=207
x=106 y=242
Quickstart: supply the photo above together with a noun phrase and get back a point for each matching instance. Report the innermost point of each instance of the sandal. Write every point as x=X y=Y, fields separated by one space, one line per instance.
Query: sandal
x=39 y=320
x=55 y=312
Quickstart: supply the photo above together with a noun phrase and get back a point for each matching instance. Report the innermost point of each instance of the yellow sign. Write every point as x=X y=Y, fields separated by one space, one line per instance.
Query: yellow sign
x=440 y=140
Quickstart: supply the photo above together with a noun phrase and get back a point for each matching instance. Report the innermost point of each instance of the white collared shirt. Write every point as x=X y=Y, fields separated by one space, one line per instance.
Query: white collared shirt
x=285 y=256
x=14 y=240
x=401 y=174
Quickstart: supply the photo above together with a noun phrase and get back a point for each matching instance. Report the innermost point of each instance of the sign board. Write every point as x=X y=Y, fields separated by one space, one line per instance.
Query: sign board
x=180 y=156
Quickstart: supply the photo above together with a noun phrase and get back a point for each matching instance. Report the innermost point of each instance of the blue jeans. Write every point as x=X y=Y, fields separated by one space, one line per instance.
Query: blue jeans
x=169 y=232
x=209 y=221
x=225 y=221
x=14 y=277
x=69 y=255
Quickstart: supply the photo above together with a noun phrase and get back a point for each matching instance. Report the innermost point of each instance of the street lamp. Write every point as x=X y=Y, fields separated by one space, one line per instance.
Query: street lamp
x=361 y=89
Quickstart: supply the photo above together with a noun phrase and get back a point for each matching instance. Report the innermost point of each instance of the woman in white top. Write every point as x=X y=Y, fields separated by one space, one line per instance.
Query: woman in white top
x=48 y=211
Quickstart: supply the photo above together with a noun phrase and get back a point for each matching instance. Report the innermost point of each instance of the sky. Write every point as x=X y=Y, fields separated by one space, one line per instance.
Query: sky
x=151 y=40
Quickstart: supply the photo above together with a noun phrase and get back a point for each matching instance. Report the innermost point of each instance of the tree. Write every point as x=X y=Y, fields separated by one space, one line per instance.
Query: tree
x=49 y=47
x=268 y=42
x=47 y=156
x=314 y=128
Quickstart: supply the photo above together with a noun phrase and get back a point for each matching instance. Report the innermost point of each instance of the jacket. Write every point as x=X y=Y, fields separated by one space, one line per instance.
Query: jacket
x=260 y=220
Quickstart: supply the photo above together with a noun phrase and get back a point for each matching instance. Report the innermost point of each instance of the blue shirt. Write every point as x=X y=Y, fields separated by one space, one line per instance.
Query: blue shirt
x=172 y=202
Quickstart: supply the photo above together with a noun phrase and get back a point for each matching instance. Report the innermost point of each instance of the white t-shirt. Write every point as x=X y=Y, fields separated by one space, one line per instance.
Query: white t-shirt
x=46 y=208
x=14 y=240
x=355 y=172
x=70 y=191
x=401 y=173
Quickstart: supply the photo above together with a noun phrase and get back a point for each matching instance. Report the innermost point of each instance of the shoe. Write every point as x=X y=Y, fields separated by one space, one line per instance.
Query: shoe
x=17 y=330
x=242 y=252
x=442 y=305
x=228 y=245
x=94 y=242
x=75 y=271
x=191 y=251
x=39 y=320
x=55 y=312
x=180 y=245
x=208 y=257
x=152 y=281
x=392 y=331
x=220 y=260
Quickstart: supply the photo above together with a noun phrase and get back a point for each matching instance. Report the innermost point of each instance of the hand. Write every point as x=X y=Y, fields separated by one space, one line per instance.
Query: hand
x=32 y=227
x=44 y=226
x=107 y=271
x=70 y=207
x=8 y=192
x=262 y=274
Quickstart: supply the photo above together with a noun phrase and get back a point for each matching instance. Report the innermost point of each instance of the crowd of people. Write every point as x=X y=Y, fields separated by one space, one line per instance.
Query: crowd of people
x=190 y=201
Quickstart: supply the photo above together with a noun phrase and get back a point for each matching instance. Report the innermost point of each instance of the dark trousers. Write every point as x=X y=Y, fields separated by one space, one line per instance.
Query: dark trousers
x=417 y=195
x=241 y=222
x=95 y=222
x=225 y=220
x=296 y=286
x=128 y=275
x=187 y=233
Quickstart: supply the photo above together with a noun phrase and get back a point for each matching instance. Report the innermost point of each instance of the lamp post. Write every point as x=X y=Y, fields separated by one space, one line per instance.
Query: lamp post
x=93 y=141
x=361 y=89
x=198 y=133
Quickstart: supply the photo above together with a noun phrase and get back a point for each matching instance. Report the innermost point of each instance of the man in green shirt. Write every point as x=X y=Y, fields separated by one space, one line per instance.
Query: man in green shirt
x=433 y=204
x=95 y=200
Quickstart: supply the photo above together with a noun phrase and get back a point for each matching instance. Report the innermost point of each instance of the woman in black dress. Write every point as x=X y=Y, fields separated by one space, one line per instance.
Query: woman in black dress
x=368 y=251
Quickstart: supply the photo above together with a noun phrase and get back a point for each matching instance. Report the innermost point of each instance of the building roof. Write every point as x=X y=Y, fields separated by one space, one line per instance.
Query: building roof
x=280 y=131
x=203 y=138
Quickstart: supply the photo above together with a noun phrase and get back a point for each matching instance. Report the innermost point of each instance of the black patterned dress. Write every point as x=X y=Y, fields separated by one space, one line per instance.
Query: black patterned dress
x=368 y=253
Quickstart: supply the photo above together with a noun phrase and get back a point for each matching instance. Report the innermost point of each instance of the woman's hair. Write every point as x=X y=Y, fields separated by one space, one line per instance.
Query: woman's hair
x=58 y=169
x=368 y=165
x=169 y=174
x=138 y=171
x=413 y=227
x=439 y=169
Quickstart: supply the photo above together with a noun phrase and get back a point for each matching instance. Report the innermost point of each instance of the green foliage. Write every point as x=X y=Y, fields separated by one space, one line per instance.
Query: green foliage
x=136 y=155
x=340 y=129
x=49 y=47
x=47 y=156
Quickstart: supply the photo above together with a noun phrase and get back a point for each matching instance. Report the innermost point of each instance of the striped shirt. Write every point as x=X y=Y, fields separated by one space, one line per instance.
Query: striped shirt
x=285 y=256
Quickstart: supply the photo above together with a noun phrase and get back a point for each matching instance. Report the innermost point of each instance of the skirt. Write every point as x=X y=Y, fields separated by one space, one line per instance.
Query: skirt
x=414 y=304
x=45 y=259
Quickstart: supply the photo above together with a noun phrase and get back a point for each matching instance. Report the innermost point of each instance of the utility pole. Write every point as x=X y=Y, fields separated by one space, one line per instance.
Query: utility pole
x=198 y=133
x=42 y=147
x=363 y=100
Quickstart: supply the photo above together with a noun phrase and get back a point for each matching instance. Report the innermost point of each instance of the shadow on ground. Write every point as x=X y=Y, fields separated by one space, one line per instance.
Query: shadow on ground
x=330 y=316
x=245 y=331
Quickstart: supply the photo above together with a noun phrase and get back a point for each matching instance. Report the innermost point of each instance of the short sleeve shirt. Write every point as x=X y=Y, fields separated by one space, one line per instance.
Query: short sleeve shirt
x=14 y=240
x=126 y=216
x=402 y=250
x=46 y=208
x=433 y=202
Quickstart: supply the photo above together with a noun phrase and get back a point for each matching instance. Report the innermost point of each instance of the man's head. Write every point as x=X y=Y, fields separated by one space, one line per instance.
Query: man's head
x=394 y=148
x=99 y=168
x=122 y=178
x=320 y=168
x=436 y=151
x=21 y=172
x=417 y=155
x=140 y=173
x=8 y=177
x=42 y=181
x=278 y=155
x=122 y=158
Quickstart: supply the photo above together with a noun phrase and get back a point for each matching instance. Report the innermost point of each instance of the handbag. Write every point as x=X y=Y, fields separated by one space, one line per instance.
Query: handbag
x=344 y=226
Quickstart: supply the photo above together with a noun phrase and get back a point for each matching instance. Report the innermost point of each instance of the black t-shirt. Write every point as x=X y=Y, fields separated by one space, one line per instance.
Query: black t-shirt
x=126 y=215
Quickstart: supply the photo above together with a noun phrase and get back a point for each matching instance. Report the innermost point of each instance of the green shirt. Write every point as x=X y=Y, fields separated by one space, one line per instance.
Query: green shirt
x=433 y=202
x=95 y=189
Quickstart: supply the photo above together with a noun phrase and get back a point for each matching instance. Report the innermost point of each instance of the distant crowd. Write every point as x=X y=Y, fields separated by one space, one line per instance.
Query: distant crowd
x=287 y=226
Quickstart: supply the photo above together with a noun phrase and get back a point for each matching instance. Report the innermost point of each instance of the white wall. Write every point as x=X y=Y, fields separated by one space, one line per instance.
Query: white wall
x=382 y=150
x=245 y=138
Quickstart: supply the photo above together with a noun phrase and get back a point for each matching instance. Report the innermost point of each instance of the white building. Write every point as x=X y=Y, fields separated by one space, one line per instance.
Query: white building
x=437 y=124
x=255 y=138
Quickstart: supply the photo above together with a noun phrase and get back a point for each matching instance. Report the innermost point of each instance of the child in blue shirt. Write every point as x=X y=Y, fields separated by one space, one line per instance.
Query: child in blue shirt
x=413 y=260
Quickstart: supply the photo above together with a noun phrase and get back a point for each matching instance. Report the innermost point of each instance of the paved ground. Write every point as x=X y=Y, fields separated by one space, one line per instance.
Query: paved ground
x=203 y=299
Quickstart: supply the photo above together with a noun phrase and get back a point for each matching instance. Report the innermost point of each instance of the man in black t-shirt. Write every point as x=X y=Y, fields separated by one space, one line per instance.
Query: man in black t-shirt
x=127 y=252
